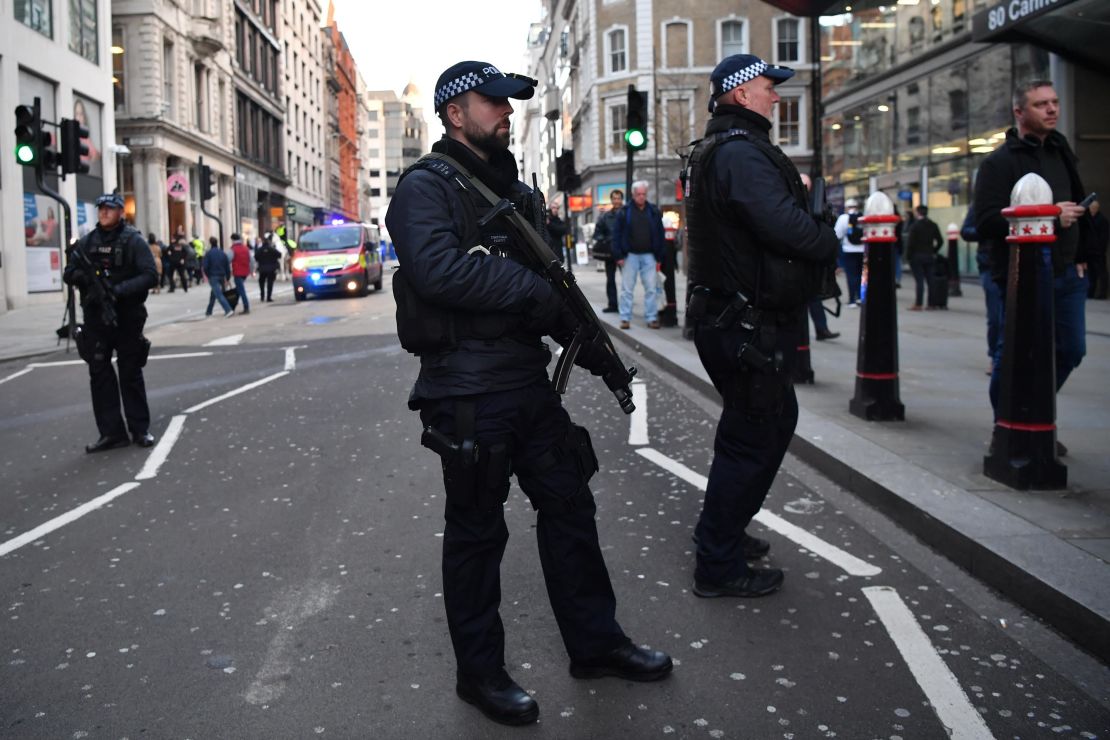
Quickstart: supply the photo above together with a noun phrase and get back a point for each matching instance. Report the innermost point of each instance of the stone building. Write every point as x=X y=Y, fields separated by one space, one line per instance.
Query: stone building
x=305 y=113
x=399 y=136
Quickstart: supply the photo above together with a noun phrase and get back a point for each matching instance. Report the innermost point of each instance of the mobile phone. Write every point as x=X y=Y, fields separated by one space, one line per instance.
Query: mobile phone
x=1086 y=202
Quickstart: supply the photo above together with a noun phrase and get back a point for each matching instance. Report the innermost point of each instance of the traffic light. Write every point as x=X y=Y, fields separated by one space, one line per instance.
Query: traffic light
x=75 y=149
x=26 y=129
x=207 y=182
x=566 y=179
x=635 y=134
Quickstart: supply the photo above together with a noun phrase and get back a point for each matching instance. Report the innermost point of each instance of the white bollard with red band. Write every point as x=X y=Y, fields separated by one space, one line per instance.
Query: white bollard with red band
x=1023 y=446
x=877 y=389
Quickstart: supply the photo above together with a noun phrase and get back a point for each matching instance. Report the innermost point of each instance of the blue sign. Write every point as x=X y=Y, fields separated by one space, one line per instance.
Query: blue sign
x=905 y=195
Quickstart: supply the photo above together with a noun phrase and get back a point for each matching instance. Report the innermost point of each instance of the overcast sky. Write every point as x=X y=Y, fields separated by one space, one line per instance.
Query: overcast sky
x=398 y=41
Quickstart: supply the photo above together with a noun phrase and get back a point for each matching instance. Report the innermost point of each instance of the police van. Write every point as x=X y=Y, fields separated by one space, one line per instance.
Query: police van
x=340 y=258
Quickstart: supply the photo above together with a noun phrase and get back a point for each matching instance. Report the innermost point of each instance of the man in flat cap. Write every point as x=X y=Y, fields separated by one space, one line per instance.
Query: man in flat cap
x=118 y=273
x=757 y=256
x=474 y=312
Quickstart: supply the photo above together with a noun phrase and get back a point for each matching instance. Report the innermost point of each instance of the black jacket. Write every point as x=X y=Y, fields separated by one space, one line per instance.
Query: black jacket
x=267 y=257
x=998 y=174
x=124 y=257
x=755 y=227
x=923 y=239
x=434 y=233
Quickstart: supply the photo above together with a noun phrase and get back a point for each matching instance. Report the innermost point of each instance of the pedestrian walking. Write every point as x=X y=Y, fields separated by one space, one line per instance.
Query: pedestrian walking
x=923 y=242
x=603 y=247
x=488 y=407
x=850 y=233
x=268 y=259
x=217 y=268
x=1034 y=145
x=178 y=257
x=241 y=269
x=114 y=316
x=197 y=247
x=156 y=253
x=557 y=232
x=638 y=244
x=757 y=258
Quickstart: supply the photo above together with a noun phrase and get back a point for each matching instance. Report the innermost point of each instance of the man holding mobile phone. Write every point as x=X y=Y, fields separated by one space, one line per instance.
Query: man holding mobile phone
x=1034 y=145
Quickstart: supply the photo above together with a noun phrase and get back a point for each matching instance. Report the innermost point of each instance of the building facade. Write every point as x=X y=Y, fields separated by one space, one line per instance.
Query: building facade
x=305 y=114
x=343 y=137
x=397 y=137
x=62 y=54
x=917 y=95
x=586 y=53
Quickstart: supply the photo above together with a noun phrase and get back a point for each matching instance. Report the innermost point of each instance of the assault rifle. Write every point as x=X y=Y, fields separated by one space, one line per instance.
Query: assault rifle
x=99 y=290
x=590 y=331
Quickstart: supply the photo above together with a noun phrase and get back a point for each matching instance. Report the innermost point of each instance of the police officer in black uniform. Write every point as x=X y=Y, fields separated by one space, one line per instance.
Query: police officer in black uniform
x=120 y=255
x=475 y=314
x=757 y=256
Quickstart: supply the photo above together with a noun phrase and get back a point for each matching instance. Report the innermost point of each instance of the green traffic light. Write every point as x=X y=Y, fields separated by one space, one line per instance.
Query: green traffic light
x=635 y=138
x=24 y=154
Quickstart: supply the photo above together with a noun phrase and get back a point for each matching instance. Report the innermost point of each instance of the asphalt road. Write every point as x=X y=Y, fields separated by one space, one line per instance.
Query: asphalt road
x=271 y=570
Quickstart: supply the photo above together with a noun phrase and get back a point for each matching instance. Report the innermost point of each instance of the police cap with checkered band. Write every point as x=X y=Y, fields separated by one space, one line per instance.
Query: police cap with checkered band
x=483 y=77
x=737 y=69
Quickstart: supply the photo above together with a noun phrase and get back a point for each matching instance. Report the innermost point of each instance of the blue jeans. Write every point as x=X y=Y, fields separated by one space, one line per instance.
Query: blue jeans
x=1069 y=299
x=241 y=288
x=992 y=295
x=853 y=274
x=644 y=266
x=817 y=313
x=217 y=295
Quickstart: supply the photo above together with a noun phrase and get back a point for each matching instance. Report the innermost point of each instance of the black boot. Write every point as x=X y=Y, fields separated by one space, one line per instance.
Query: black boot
x=629 y=662
x=499 y=698
x=107 y=443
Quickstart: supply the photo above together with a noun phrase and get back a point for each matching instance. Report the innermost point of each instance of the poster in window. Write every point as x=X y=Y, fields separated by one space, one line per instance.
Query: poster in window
x=87 y=113
x=42 y=216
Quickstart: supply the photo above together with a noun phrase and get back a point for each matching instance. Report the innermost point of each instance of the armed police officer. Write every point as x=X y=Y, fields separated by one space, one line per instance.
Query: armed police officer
x=475 y=314
x=757 y=256
x=113 y=268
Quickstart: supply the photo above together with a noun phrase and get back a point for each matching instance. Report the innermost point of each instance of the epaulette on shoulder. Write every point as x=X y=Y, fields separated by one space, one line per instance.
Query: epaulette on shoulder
x=438 y=166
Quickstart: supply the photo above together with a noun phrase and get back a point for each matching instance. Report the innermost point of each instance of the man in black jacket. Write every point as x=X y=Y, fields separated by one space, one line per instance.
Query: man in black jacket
x=603 y=247
x=1035 y=145
x=475 y=313
x=120 y=254
x=923 y=243
x=757 y=256
x=268 y=258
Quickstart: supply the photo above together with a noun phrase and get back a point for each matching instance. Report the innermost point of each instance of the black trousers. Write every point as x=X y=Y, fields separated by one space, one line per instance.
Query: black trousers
x=266 y=284
x=179 y=271
x=755 y=428
x=531 y=422
x=127 y=342
x=611 y=282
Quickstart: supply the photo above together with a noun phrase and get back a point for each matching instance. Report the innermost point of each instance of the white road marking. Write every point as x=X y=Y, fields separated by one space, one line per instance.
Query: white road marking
x=161 y=451
x=70 y=516
x=227 y=341
x=941 y=688
x=849 y=563
x=59 y=363
x=638 y=422
x=15 y=375
x=290 y=359
x=181 y=355
x=236 y=392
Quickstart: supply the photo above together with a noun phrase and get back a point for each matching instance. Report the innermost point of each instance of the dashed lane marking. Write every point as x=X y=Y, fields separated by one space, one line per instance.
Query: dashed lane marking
x=228 y=341
x=638 y=422
x=236 y=392
x=64 y=519
x=953 y=708
x=849 y=563
x=161 y=451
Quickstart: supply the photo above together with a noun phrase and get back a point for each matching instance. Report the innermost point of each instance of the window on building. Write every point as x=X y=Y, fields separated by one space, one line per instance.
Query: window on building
x=616 y=123
x=118 y=69
x=677 y=125
x=36 y=14
x=82 y=29
x=732 y=38
x=677 y=35
x=788 y=46
x=167 y=78
x=618 y=56
x=789 y=122
x=201 y=85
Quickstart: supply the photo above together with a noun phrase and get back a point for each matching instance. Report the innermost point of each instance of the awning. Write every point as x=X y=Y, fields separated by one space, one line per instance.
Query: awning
x=1074 y=29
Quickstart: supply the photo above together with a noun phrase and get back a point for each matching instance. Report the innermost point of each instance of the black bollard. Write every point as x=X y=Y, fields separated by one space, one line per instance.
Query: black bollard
x=1023 y=446
x=954 y=261
x=877 y=394
x=802 y=371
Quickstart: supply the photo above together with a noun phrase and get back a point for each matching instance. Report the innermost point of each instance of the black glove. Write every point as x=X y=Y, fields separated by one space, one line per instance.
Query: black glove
x=550 y=317
x=593 y=357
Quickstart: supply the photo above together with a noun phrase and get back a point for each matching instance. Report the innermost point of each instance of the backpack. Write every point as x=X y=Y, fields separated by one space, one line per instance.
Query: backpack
x=855 y=231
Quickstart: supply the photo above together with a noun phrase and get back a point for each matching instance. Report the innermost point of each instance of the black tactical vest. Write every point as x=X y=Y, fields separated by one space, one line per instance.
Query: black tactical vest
x=424 y=328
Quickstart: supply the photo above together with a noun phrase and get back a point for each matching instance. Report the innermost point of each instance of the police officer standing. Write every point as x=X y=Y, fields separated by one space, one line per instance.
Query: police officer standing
x=475 y=314
x=757 y=256
x=123 y=265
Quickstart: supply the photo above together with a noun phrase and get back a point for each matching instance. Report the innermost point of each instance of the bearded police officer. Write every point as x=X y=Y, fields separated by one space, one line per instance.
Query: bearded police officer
x=757 y=256
x=113 y=268
x=475 y=314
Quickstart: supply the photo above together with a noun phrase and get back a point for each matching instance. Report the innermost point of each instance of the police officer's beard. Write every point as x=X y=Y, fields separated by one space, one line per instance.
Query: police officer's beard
x=491 y=141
